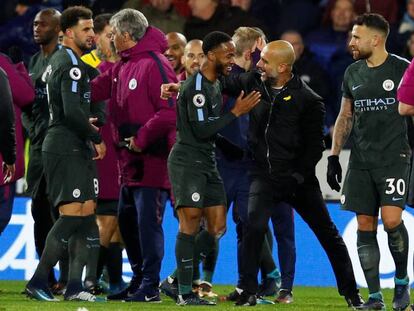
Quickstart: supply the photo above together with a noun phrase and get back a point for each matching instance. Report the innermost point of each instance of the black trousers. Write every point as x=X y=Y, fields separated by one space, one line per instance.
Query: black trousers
x=310 y=205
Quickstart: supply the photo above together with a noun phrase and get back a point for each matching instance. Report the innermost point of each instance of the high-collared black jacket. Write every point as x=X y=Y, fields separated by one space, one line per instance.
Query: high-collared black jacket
x=285 y=129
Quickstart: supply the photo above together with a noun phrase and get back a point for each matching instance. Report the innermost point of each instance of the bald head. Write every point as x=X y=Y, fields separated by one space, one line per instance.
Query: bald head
x=276 y=61
x=51 y=15
x=281 y=51
x=193 y=44
x=46 y=26
x=176 y=44
x=176 y=37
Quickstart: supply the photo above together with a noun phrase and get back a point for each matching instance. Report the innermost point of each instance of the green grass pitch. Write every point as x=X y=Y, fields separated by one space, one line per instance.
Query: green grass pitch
x=306 y=299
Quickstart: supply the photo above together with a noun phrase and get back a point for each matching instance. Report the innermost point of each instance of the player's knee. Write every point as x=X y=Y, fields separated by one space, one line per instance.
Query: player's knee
x=218 y=231
x=391 y=223
x=366 y=223
x=189 y=227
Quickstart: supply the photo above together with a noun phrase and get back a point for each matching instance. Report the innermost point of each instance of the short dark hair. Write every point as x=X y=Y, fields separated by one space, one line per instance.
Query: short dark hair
x=374 y=21
x=213 y=40
x=71 y=16
x=101 y=21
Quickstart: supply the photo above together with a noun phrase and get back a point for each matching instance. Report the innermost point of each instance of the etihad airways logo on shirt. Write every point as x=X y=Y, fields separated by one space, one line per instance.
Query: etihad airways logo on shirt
x=374 y=104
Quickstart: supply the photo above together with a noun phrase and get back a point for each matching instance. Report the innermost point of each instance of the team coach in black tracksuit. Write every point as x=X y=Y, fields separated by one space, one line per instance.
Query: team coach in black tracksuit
x=286 y=140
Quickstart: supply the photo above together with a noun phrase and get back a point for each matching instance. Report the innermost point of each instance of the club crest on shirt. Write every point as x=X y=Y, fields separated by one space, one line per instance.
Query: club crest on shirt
x=195 y=197
x=132 y=84
x=199 y=100
x=75 y=73
x=76 y=193
x=388 y=85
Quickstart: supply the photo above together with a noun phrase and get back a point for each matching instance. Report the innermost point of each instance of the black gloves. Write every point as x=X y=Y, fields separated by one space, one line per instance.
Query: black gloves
x=334 y=174
x=231 y=151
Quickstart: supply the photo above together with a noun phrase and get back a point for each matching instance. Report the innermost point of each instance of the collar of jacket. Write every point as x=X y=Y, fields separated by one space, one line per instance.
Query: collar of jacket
x=153 y=40
x=294 y=83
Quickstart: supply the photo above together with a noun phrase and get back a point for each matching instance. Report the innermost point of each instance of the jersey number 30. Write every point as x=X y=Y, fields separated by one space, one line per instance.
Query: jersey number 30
x=395 y=185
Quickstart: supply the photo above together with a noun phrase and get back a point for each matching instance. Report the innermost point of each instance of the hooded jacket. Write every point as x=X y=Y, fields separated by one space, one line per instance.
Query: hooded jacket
x=133 y=84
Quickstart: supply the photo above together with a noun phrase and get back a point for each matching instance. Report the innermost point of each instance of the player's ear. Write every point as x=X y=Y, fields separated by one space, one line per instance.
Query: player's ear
x=247 y=55
x=376 y=39
x=211 y=56
x=69 y=33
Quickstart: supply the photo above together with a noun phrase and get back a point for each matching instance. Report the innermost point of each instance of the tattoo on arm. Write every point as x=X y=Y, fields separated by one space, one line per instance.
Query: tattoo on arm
x=343 y=127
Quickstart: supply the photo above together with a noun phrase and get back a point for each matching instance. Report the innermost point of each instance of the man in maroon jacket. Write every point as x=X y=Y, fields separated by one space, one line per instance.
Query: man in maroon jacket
x=23 y=94
x=145 y=125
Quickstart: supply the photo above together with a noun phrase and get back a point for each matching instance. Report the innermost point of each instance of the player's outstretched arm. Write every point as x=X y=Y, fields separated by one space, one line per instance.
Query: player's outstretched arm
x=169 y=89
x=245 y=103
x=207 y=128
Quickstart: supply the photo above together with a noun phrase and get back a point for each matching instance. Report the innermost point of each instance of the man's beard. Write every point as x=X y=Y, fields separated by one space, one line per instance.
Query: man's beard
x=271 y=80
x=83 y=46
x=45 y=40
x=220 y=68
x=362 y=55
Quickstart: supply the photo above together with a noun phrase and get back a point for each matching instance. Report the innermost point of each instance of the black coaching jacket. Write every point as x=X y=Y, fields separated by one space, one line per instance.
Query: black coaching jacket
x=286 y=129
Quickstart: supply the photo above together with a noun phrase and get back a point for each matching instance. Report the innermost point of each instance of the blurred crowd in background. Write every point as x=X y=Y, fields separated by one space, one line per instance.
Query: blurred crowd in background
x=318 y=29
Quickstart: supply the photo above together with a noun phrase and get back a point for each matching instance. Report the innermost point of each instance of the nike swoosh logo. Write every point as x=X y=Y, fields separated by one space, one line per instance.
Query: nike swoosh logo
x=214 y=106
x=396 y=199
x=150 y=298
x=356 y=87
x=186 y=260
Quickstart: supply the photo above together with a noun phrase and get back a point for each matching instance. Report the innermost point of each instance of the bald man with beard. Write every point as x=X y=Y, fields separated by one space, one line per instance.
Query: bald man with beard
x=286 y=139
x=192 y=58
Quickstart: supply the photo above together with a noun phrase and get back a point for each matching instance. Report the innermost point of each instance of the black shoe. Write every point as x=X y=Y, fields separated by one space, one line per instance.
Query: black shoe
x=41 y=294
x=401 y=298
x=92 y=287
x=284 y=296
x=124 y=294
x=233 y=296
x=142 y=295
x=59 y=289
x=246 y=299
x=268 y=287
x=354 y=300
x=169 y=287
x=192 y=299
x=372 y=304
